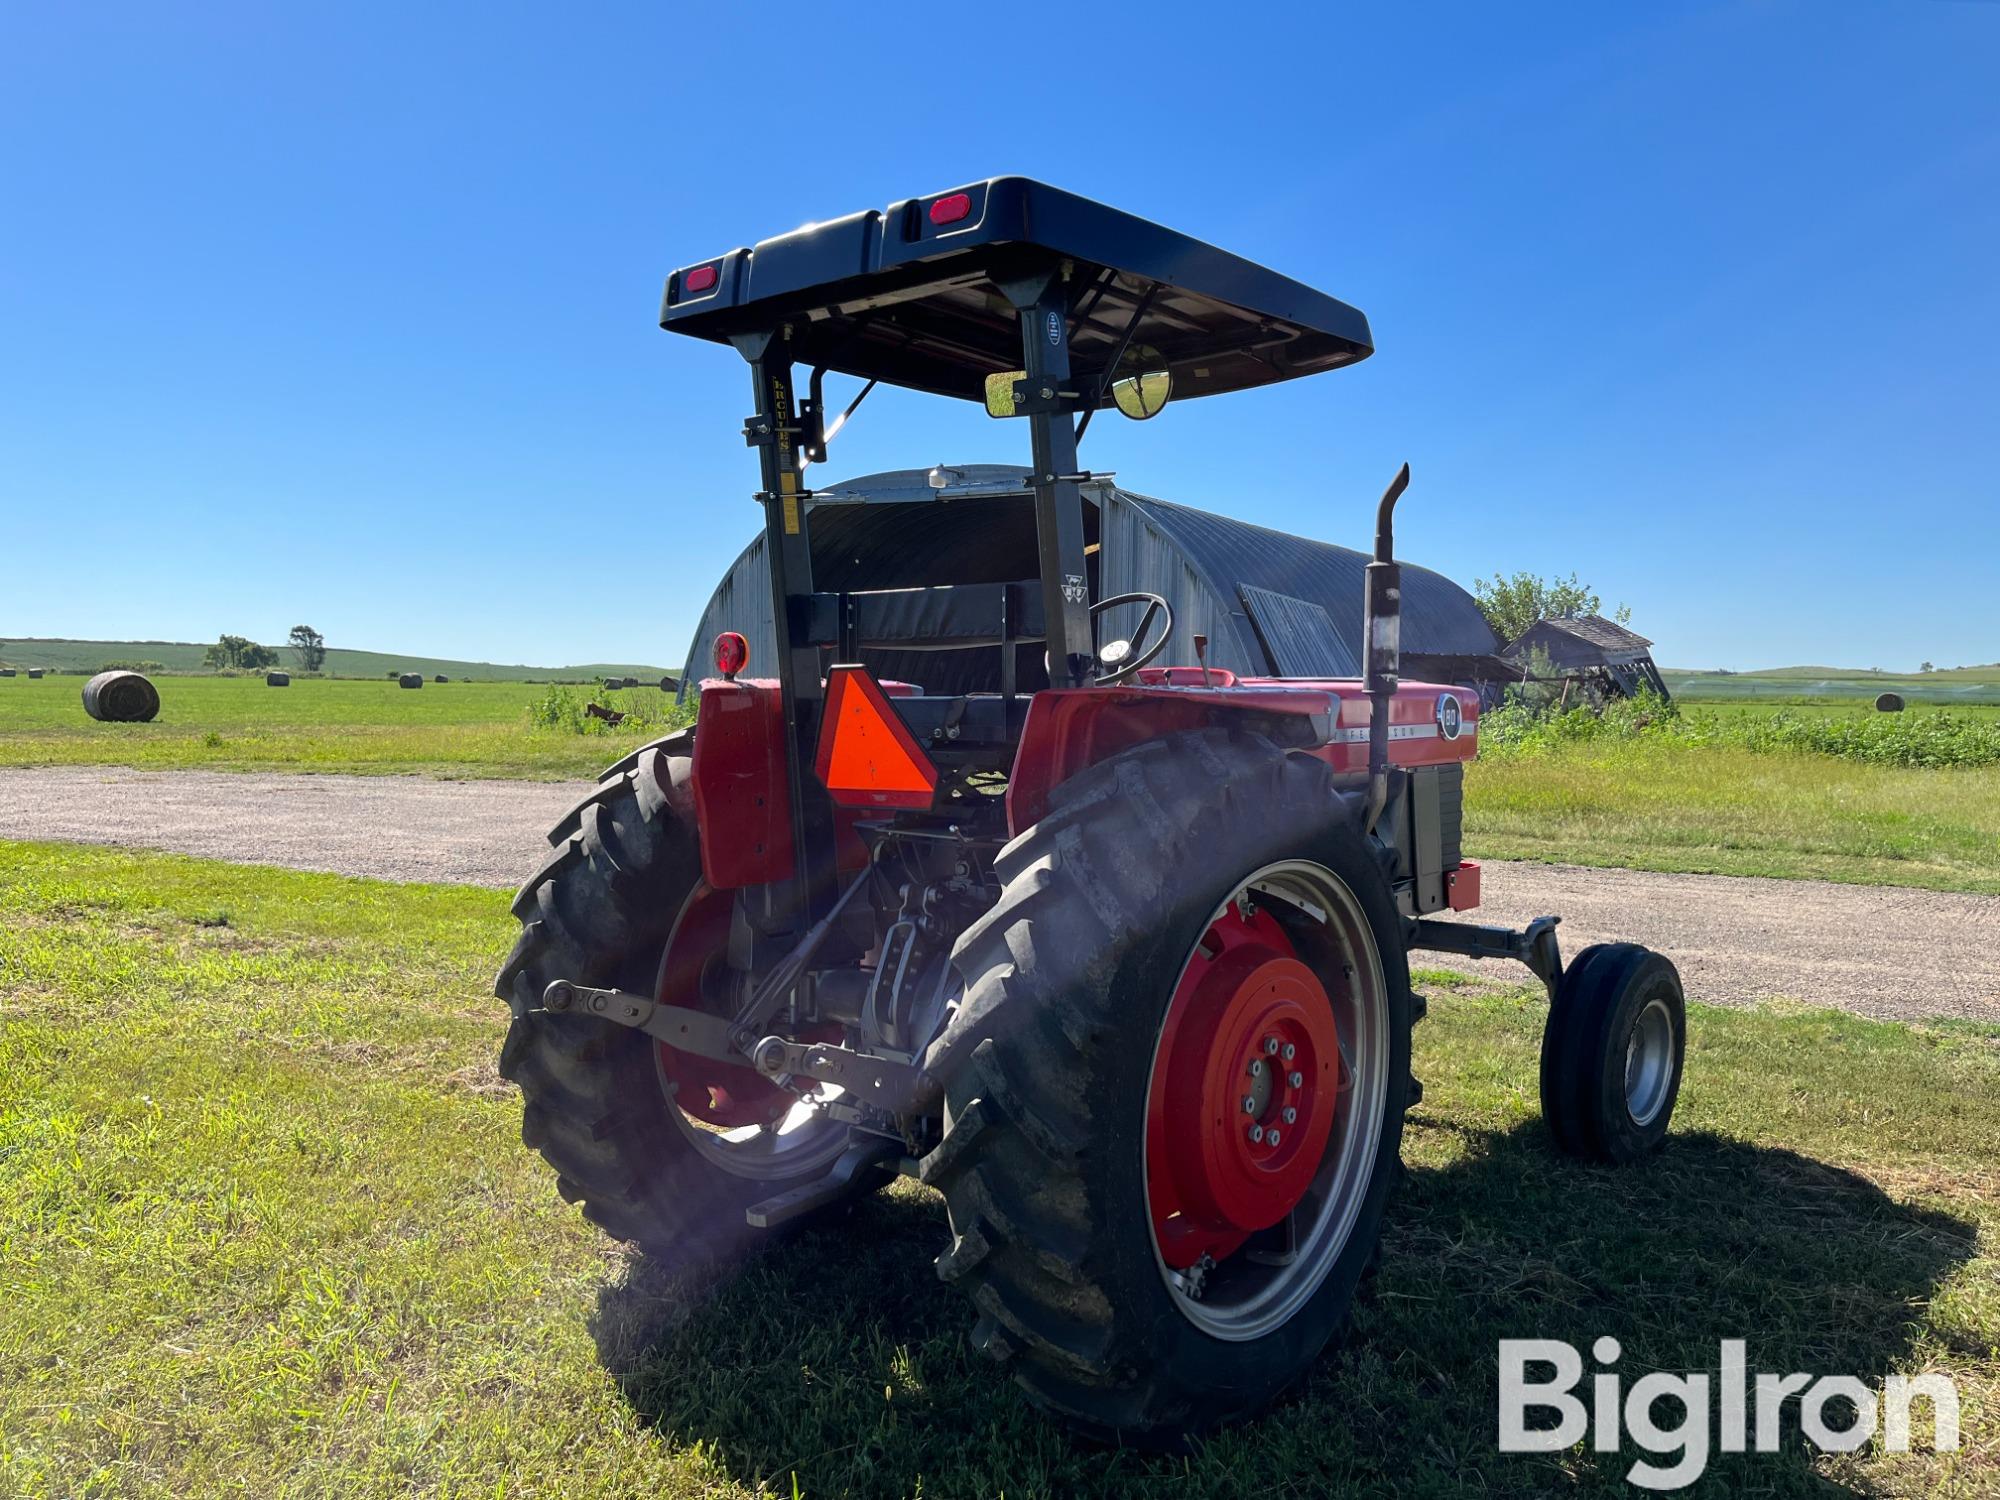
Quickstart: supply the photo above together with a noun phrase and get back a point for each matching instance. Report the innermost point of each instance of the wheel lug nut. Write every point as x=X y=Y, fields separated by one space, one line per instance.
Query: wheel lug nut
x=1271 y=1139
x=1291 y=1114
x=1297 y=1080
x=1256 y=1067
x=1249 y=1105
x=1271 y=1047
x=1290 y=1052
x=1256 y=1135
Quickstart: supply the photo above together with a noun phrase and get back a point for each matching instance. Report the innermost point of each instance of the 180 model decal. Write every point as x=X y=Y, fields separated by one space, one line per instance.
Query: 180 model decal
x=1450 y=717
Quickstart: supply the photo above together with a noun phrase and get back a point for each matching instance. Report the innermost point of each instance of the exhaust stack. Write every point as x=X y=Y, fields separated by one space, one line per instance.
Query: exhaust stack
x=1382 y=637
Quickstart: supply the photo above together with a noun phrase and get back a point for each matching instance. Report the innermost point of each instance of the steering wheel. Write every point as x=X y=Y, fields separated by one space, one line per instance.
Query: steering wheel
x=1120 y=659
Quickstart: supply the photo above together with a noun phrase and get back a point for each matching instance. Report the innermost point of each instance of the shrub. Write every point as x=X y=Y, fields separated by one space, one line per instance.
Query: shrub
x=647 y=712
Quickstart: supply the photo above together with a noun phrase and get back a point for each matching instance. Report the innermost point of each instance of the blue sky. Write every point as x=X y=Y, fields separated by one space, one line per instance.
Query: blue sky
x=346 y=313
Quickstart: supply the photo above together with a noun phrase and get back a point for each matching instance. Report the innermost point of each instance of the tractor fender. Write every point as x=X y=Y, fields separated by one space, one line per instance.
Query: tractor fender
x=1069 y=730
x=742 y=792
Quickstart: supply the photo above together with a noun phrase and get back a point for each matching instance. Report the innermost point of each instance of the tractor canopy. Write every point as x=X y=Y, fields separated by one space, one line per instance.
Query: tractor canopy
x=915 y=296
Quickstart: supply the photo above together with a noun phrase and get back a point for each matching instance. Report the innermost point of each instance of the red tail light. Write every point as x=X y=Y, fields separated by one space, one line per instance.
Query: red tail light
x=700 y=279
x=732 y=654
x=951 y=208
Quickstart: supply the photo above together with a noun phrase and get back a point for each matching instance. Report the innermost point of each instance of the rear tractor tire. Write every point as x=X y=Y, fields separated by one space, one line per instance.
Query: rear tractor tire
x=658 y=1147
x=1175 y=1087
x=1612 y=1053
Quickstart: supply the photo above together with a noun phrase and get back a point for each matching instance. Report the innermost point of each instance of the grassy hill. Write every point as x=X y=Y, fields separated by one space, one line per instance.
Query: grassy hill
x=59 y=655
x=1988 y=673
x=1953 y=685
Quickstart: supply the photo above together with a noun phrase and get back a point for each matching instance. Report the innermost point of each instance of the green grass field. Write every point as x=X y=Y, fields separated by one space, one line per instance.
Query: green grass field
x=1955 y=685
x=1831 y=707
x=58 y=655
x=1988 y=672
x=1717 y=809
x=268 y=1230
x=1657 y=803
x=461 y=729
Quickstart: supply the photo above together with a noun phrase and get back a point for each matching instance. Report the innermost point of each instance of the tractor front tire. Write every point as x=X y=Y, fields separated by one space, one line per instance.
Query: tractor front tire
x=599 y=912
x=1612 y=1053
x=1051 y=1062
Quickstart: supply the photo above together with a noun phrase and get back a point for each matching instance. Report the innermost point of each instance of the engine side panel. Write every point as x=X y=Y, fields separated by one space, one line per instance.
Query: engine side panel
x=1069 y=729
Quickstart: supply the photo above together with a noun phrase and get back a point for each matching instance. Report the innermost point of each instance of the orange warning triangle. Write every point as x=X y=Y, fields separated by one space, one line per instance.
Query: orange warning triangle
x=867 y=756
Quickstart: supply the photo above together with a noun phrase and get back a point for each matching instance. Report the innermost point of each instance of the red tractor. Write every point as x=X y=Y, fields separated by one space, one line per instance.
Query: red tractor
x=1113 y=955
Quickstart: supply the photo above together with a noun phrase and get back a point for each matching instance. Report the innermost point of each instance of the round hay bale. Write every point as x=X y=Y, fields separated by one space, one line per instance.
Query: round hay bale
x=440 y=678
x=1889 y=703
x=410 y=680
x=6 y=671
x=277 y=679
x=34 y=674
x=121 y=698
x=669 y=686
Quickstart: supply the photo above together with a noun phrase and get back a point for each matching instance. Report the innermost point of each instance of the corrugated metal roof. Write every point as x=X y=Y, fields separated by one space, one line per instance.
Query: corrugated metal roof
x=1607 y=636
x=1300 y=637
x=891 y=530
x=1438 y=616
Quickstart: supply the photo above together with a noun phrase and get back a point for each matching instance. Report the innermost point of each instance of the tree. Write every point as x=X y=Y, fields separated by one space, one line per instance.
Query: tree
x=1927 y=667
x=310 y=645
x=1512 y=605
x=226 y=652
x=240 y=653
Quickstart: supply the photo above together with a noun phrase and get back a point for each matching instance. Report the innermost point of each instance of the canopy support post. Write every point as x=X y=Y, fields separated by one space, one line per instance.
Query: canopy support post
x=774 y=429
x=1043 y=303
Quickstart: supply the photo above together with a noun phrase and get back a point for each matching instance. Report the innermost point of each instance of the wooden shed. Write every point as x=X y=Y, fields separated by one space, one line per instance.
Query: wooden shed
x=1594 y=651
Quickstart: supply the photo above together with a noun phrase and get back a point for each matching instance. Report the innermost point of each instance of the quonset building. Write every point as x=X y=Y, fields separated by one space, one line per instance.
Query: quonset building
x=1270 y=604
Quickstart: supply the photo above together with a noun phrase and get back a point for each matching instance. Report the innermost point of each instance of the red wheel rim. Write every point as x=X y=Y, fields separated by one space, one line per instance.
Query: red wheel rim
x=1243 y=1092
x=725 y=1095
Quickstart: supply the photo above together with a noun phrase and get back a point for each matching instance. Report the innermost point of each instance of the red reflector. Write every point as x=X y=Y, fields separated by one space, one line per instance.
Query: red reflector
x=951 y=208
x=732 y=653
x=867 y=755
x=701 y=278
x=1461 y=886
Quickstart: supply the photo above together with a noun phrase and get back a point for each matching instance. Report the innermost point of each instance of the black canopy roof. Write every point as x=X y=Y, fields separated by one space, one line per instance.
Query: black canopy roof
x=911 y=295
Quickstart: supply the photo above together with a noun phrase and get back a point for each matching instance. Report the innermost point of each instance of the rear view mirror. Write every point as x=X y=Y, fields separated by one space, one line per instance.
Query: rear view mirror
x=1137 y=396
x=1000 y=392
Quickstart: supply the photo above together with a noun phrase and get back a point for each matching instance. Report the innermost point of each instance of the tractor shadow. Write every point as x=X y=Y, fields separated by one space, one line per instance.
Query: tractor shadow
x=842 y=1361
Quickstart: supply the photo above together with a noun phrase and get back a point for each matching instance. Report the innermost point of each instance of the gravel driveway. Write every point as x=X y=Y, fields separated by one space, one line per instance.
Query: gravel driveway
x=1879 y=950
